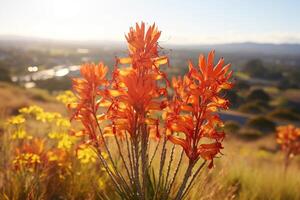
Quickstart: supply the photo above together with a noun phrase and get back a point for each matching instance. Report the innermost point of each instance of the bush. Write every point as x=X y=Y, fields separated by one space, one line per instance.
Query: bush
x=233 y=97
x=262 y=124
x=284 y=114
x=291 y=105
x=255 y=107
x=241 y=85
x=258 y=94
x=250 y=134
x=231 y=127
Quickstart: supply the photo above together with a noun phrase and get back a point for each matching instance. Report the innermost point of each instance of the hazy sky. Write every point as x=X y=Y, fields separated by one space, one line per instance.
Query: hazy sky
x=181 y=21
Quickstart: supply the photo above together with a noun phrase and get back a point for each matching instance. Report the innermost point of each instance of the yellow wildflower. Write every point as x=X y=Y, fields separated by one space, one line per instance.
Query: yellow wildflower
x=27 y=161
x=20 y=134
x=31 y=110
x=68 y=98
x=65 y=142
x=52 y=156
x=16 y=120
x=47 y=116
x=62 y=122
x=86 y=155
x=54 y=135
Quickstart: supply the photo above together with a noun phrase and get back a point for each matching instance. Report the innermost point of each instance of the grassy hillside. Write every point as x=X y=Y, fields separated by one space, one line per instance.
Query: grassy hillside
x=14 y=97
x=248 y=169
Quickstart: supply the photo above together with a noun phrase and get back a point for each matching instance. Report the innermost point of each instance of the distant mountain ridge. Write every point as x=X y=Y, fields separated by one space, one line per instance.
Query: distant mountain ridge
x=243 y=47
x=250 y=47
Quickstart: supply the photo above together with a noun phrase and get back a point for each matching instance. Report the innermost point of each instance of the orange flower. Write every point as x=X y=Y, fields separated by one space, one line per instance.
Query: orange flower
x=193 y=109
x=31 y=155
x=136 y=97
x=88 y=87
x=88 y=90
x=136 y=90
x=143 y=48
x=289 y=139
x=140 y=91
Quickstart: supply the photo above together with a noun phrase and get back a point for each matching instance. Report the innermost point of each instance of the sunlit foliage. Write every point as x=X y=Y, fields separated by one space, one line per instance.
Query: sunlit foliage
x=288 y=137
x=124 y=113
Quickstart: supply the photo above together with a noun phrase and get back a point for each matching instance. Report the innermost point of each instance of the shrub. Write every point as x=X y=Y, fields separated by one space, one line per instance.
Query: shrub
x=258 y=95
x=289 y=104
x=250 y=134
x=231 y=127
x=234 y=98
x=284 y=114
x=241 y=85
x=261 y=123
x=255 y=107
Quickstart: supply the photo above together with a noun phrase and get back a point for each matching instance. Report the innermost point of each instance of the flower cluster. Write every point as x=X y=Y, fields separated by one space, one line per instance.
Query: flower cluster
x=34 y=153
x=192 y=111
x=135 y=91
x=90 y=97
x=139 y=104
x=288 y=137
x=30 y=156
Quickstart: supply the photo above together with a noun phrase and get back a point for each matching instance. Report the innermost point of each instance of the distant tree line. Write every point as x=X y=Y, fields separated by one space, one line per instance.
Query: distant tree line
x=286 y=77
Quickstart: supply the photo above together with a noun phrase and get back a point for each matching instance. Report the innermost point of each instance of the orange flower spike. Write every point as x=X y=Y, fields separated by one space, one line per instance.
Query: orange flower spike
x=138 y=42
x=289 y=139
x=88 y=89
x=143 y=49
x=197 y=96
x=137 y=85
x=209 y=74
x=93 y=73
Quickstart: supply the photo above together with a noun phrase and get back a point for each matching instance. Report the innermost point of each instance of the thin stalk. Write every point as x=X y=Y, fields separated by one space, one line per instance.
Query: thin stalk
x=109 y=172
x=144 y=158
x=193 y=178
x=123 y=159
x=286 y=161
x=175 y=173
x=170 y=162
x=119 y=175
x=162 y=162
x=154 y=153
x=136 y=164
x=185 y=180
x=169 y=169
x=129 y=154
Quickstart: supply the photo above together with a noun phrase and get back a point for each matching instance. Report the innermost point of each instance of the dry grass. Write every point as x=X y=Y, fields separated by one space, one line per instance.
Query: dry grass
x=250 y=170
x=14 y=97
x=247 y=170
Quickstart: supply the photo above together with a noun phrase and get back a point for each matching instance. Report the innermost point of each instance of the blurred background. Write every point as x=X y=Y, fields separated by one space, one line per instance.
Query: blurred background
x=43 y=43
